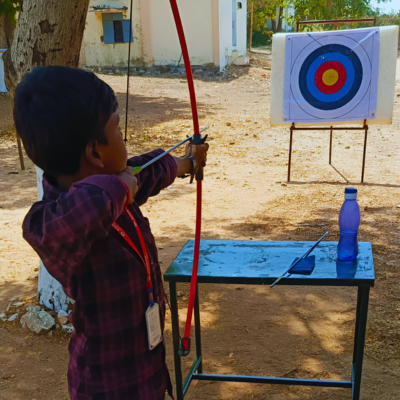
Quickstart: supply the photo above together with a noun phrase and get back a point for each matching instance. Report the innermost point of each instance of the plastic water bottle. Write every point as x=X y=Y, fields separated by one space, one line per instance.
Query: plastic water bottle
x=349 y=221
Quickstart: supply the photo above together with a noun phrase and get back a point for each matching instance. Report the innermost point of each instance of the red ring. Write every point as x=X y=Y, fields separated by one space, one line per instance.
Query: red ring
x=319 y=83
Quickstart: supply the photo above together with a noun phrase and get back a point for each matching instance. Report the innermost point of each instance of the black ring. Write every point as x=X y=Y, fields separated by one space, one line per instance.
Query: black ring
x=331 y=48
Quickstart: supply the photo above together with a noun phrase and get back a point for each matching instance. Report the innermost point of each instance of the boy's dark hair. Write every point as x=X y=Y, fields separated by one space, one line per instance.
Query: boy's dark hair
x=57 y=112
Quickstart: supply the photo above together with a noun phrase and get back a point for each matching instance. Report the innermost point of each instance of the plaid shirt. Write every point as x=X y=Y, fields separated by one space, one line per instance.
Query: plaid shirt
x=71 y=232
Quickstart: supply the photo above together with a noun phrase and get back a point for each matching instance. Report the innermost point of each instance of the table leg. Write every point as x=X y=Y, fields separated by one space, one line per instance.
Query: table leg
x=197 y=329
x=359 y=338
x=176 y=340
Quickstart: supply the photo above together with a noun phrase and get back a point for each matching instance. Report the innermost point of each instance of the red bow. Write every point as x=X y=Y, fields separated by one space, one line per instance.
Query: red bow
x=189 y=75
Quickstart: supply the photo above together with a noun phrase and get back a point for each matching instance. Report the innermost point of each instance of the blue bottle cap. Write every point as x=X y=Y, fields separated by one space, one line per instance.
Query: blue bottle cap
x=350 y=194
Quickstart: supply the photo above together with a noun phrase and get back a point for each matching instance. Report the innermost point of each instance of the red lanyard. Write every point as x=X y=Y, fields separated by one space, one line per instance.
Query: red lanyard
x=146 y=259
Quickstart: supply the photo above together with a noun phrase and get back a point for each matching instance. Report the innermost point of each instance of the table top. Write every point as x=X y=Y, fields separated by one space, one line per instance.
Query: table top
x=259 y=263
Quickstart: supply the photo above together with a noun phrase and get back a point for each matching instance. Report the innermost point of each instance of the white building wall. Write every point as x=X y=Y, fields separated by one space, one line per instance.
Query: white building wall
x=98 y=54
x=242 y=29
x=197 y=21
x=225 y=30
x=207 y=25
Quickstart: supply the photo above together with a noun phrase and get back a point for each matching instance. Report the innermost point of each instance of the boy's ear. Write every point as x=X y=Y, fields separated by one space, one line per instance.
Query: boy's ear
x=93 y=154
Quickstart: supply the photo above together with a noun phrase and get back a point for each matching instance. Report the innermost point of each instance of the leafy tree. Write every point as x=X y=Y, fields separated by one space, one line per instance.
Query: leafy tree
x=48 y=32
x=331 y=9
x=391 y=18
x=10 y=8
x=259 y=11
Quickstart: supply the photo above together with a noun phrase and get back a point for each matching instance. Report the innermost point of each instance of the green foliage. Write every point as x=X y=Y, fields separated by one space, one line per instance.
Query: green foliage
x=332 y=9
x=261 y=39
x=10 y=8
x=264 y=10
x=388 y=19
x=312 y=10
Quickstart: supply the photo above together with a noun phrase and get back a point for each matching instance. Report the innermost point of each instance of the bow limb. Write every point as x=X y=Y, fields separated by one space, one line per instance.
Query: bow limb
x=188 y=67
x=185 y=346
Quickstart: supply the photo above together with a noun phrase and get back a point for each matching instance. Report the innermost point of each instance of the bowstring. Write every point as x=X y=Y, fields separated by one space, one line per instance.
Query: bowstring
x=128 y=74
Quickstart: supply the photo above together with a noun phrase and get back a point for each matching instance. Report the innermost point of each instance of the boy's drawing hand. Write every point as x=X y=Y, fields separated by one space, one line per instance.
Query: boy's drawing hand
x=131 y=182
x=199 y=152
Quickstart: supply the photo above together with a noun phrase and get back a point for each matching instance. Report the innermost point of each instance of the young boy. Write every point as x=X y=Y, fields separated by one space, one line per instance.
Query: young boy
x=68 y=123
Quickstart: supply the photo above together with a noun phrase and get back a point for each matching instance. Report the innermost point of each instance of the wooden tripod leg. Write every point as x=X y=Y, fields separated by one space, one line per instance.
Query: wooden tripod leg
x=290 y=152
x=21 y=156
x=365 y=151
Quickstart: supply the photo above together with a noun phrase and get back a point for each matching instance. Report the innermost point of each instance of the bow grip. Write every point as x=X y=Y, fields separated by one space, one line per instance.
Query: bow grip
x=198 y=140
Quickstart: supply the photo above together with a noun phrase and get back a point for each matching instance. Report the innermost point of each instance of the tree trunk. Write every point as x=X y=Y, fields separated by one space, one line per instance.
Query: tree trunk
x=279 y=24
x=251 y=25
x=49 y=32
x=6 y=32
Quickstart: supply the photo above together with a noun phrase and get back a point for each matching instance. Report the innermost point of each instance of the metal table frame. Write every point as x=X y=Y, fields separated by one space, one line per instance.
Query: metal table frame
x=196 y=370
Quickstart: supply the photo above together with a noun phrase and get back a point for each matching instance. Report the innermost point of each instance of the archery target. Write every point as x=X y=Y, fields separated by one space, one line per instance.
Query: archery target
x=332 y=76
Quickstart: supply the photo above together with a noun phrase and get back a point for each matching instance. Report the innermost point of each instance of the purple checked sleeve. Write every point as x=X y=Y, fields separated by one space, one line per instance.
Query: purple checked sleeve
x=154 y=178
x=63 y=230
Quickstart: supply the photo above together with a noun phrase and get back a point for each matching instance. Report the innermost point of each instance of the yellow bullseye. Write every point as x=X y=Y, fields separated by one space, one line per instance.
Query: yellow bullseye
x=330 y=77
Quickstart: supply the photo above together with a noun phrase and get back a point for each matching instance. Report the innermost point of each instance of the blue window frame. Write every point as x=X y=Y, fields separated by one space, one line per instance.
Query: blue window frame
x=116 y=29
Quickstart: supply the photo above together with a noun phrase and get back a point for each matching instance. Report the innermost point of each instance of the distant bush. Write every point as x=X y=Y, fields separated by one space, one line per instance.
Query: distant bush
x=261 y=39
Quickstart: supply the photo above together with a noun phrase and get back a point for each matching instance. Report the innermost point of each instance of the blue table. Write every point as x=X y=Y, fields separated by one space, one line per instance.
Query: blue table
x=260 y=263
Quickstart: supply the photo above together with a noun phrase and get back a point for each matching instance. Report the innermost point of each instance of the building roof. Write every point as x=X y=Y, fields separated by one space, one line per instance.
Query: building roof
x=104 y=5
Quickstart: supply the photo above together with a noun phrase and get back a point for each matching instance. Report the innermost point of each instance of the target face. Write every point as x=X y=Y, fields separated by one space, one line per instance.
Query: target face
x=331 y=76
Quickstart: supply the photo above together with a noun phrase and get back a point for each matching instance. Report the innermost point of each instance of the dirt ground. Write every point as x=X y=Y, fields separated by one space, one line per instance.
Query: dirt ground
x=253 y=330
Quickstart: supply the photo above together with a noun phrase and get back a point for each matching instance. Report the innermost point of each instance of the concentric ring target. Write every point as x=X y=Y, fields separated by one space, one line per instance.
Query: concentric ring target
x=330 y=77
x=346 y=68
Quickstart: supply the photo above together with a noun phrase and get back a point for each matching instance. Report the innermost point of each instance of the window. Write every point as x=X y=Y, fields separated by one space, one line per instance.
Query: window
x=115 y=28
x=118 y=31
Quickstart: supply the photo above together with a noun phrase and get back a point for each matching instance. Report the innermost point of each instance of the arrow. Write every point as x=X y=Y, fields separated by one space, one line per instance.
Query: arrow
x=306 y=254
x=136 y=170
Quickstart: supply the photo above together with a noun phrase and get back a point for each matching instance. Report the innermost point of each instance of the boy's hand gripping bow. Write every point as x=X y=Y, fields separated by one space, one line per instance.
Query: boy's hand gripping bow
x=197 y=171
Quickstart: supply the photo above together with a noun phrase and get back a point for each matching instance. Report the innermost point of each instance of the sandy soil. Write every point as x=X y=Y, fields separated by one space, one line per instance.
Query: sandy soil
x=296 y=332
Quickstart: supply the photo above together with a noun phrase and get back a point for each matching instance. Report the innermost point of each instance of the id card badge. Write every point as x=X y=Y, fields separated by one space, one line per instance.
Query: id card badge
x=153 y=324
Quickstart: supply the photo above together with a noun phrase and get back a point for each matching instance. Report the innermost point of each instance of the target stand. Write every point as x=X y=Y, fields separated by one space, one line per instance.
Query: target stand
x=331 y=129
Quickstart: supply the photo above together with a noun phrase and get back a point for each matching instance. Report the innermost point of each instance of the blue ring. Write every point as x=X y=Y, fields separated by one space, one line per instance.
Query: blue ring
x=321 y=53
x=329 y=98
